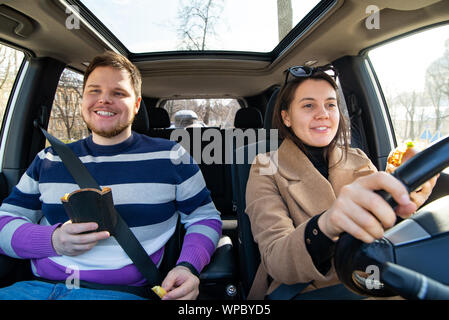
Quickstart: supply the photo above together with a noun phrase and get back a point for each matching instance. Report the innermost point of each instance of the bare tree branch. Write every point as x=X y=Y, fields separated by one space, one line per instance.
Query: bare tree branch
x=197 y=21
x=437 y=84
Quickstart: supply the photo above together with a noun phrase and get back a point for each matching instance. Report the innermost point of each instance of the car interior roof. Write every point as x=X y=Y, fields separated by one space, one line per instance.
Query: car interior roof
x=339 y=32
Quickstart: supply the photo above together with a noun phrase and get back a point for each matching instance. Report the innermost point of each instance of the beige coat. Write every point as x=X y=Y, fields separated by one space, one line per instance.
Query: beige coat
x=281 y=202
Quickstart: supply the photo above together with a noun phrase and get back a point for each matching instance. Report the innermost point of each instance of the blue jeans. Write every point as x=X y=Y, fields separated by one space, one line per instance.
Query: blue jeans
x=39 y=290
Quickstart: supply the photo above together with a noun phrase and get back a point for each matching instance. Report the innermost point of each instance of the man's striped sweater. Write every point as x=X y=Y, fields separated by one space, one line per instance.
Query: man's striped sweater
x=153 y=181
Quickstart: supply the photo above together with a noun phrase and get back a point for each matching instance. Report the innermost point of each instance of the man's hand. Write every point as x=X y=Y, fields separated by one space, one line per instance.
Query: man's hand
x=68 y=241
x=181 y=284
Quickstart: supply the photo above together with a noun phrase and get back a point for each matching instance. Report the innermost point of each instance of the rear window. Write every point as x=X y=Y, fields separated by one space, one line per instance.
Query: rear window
x=187 y=113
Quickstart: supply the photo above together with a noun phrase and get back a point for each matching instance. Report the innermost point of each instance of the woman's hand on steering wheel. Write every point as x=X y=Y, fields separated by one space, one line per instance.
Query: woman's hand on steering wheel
x=359 y=211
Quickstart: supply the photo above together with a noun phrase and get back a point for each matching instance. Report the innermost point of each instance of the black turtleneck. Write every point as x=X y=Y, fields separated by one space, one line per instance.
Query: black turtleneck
x=316 y=156
x=319 y=246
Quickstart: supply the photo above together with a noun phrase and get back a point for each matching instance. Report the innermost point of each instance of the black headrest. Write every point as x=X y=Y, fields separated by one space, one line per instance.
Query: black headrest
x=159 y=118
x=270 y=108
x=248 y=118
x=141 y=123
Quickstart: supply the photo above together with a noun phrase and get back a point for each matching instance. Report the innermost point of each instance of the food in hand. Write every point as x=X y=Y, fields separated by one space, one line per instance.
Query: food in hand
x=399 y=155
x=159 y=291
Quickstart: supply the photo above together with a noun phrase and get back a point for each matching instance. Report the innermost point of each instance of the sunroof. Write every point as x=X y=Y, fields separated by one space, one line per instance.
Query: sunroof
x=177 y=25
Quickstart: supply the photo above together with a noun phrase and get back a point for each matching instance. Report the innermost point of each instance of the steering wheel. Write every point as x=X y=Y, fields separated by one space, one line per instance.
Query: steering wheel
x=401 y=263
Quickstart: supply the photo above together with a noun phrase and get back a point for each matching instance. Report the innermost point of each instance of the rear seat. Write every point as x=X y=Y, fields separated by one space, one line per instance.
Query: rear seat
x=217 y=175
x=250 y=122
x=159 y=121
x=248 y=118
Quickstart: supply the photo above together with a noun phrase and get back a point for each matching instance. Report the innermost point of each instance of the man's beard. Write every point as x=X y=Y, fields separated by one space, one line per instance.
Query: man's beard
x=109 y=133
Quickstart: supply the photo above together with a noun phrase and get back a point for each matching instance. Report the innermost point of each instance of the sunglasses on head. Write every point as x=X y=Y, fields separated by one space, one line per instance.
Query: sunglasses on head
x=305 y=71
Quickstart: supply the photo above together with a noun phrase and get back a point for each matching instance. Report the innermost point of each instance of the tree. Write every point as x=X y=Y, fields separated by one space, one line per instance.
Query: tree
x=198 y=20
x=66 y=120
x=285 y=17
x=437 y=84
x=408 y=100
x=170 y=107
x=213 y=112
x=10 y=61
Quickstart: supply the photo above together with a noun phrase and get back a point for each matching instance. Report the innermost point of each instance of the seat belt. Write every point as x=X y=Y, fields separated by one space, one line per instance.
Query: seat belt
x=117 y=227
x=287 y=291
x=294 y=292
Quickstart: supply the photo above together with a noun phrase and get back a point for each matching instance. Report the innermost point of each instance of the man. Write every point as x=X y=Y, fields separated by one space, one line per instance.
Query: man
x=151 y=182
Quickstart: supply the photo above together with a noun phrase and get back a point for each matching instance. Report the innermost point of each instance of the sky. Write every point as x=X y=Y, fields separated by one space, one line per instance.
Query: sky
x=401 y=65
x=251 y=25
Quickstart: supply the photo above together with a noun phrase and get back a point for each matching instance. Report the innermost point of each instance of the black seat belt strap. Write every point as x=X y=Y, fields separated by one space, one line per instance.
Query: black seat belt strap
x=294 y=292
x=118 y=228
x=287 y=291
x=72 y=163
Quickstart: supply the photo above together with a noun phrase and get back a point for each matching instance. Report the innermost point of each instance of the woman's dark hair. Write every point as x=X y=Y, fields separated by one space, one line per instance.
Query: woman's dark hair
x=285 y=98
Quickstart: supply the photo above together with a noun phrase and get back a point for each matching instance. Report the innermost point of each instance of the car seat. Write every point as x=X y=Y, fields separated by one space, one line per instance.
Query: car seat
x=141 y=121
x=248 y=251
x=248 y=118
x=159 y=123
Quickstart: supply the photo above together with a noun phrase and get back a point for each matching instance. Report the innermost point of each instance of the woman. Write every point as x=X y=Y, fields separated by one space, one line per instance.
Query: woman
x=320 y=188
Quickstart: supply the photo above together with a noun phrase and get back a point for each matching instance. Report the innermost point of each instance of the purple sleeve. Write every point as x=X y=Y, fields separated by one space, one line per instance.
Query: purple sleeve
x=22 y=239
x=200 y=242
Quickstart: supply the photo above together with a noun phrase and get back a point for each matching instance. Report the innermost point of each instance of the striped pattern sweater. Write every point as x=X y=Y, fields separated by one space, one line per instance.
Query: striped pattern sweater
x=153 y=181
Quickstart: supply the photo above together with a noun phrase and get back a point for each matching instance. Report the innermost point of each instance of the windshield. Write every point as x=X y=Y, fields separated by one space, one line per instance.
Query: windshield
x=177 y=25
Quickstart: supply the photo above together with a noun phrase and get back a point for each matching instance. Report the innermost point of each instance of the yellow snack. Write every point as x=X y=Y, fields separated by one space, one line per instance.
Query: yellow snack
x=159 y=291
x=397 y=155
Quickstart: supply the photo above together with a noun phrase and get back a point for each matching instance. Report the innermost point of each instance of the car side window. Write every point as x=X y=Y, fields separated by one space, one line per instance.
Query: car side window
x=414 y=76
x=10 y=62
x=66 y=122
